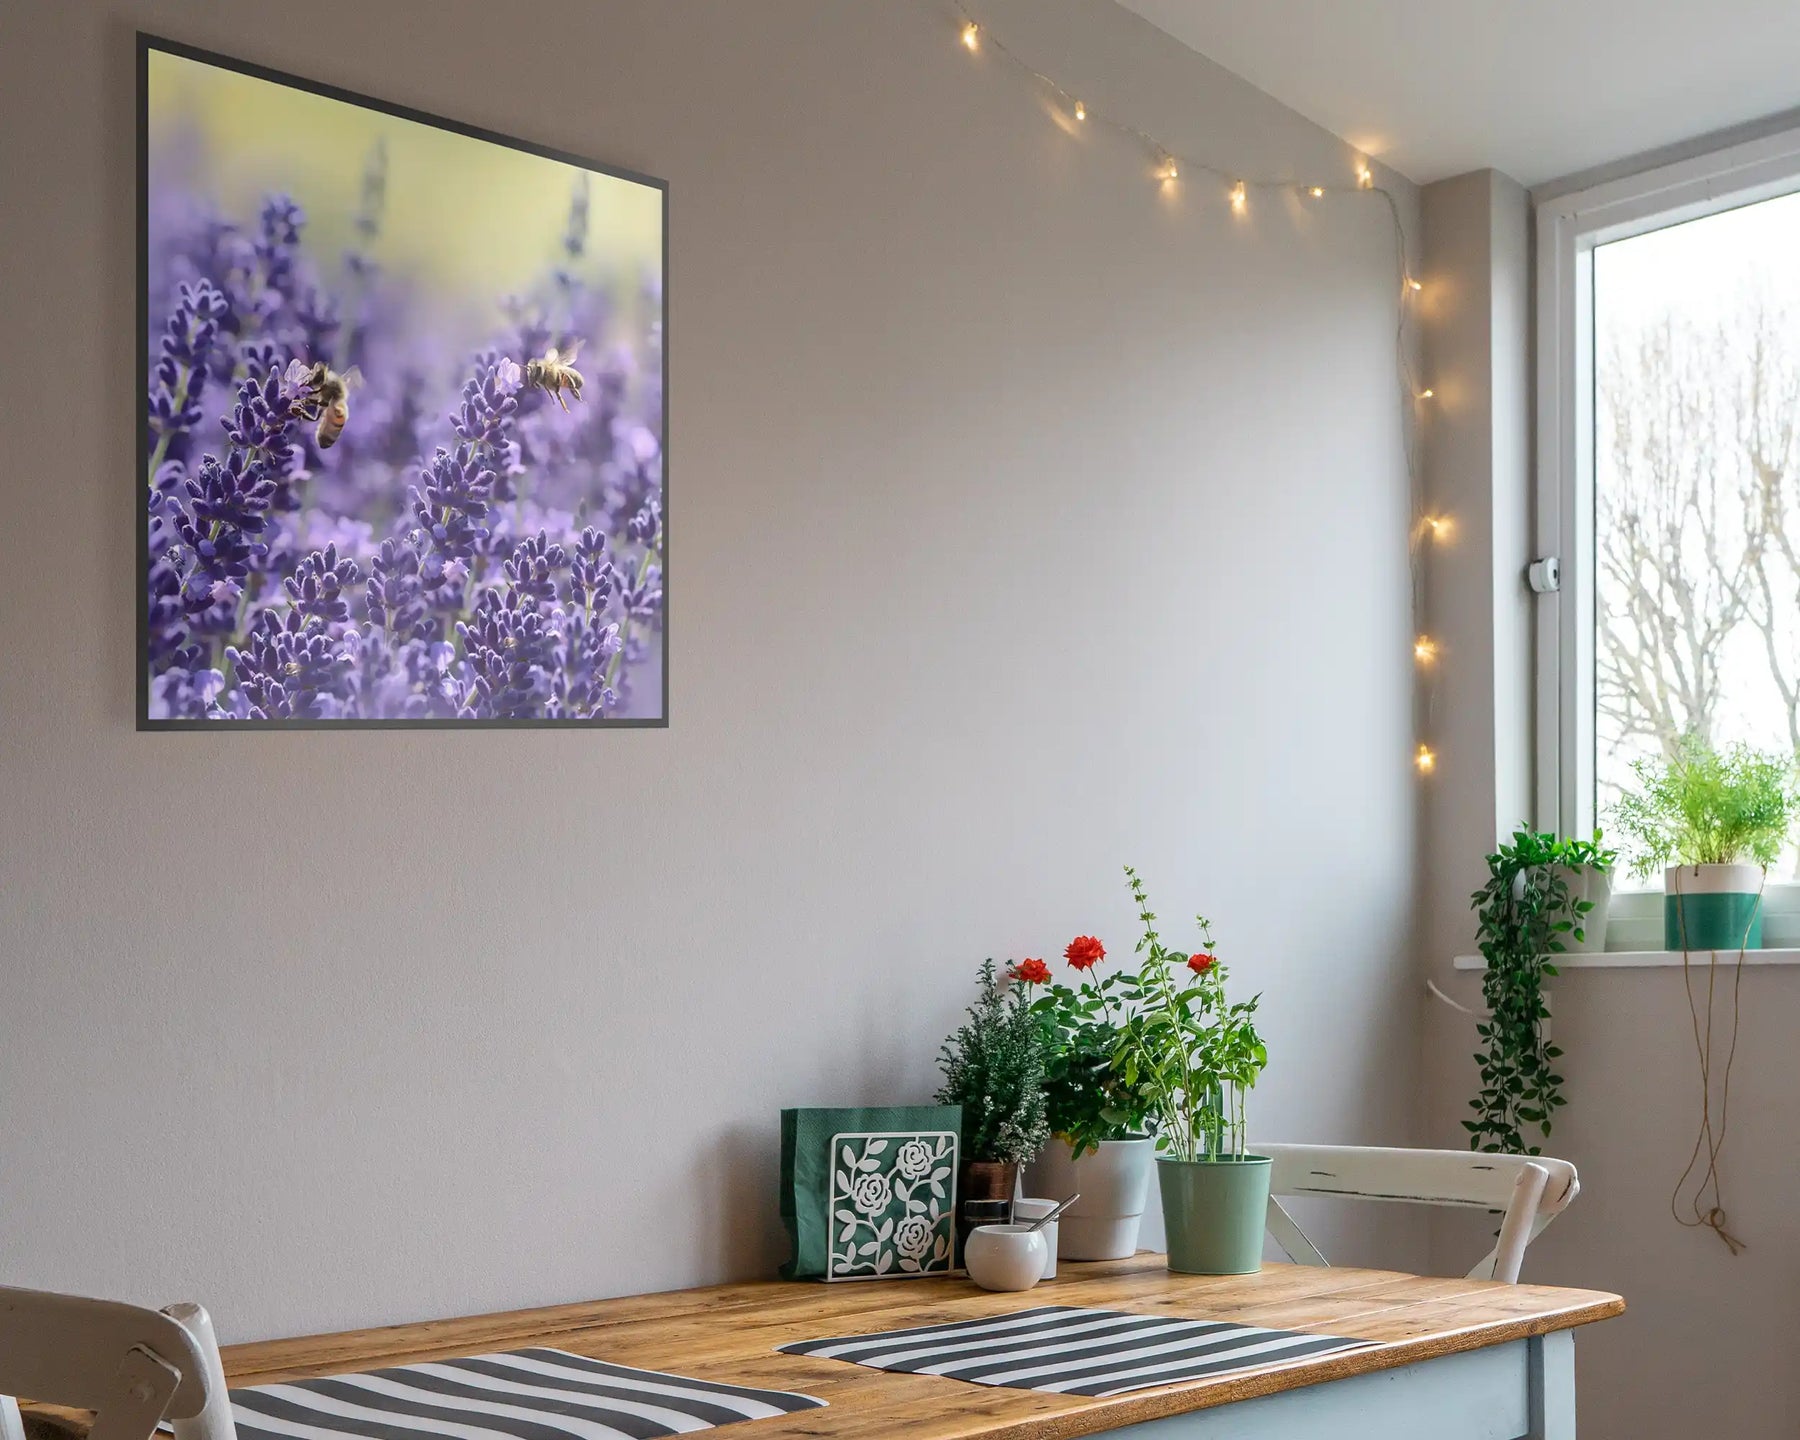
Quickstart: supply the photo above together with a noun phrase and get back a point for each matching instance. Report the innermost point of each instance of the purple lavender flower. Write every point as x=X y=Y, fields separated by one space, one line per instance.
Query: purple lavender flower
x=514 y=653
x=483 y=419
x=455 y=495
x=183 y=364
x=592 y=578
x=292 y=668
x=228 y=502
x=179 y=693
x=396 y=594
x=317 y=586
x=261 y=424
x=533 y=567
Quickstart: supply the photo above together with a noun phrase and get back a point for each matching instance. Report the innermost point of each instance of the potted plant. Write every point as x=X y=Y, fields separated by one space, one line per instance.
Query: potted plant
x=1533 y=906
x=1100 y=1147
x=1722 y=817
x=1588 y=869
x=1197 y=1055
x=993 y=1067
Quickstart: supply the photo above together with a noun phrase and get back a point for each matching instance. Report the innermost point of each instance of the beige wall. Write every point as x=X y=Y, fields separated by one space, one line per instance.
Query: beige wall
x=1025 y=521
x=1706 y=1346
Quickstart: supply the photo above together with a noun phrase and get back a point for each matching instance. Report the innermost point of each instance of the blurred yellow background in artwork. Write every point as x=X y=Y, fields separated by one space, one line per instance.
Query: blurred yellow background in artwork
x=467 y=220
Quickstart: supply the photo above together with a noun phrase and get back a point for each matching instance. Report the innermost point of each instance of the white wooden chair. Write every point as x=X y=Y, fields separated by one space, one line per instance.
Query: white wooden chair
x=134 y=1367
x=1532 y=1190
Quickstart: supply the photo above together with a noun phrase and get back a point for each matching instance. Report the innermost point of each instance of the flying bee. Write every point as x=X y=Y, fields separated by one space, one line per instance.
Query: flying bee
x=556 y=373
x=329 y=401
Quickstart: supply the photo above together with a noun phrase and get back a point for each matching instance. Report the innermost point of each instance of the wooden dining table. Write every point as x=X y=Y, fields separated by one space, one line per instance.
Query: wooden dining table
x=1450 y=1359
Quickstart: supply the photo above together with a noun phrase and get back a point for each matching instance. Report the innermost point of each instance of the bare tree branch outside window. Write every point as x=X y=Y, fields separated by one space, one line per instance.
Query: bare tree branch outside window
x=1697 y=507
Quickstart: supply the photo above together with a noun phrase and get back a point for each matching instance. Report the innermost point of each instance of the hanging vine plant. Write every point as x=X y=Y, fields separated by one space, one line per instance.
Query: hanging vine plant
x=1525 y=913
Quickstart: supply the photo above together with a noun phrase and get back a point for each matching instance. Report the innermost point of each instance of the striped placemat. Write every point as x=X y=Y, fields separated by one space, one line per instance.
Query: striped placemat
x=514 y=1395
x=1075 y=1351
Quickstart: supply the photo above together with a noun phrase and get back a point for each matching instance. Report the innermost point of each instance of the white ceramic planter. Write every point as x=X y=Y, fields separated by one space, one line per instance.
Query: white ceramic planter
x=1594 y=885
x=1113 y=1182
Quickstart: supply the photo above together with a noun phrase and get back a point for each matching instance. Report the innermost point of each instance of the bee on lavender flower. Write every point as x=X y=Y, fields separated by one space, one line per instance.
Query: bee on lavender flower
x=554 y=372
x=328 y=401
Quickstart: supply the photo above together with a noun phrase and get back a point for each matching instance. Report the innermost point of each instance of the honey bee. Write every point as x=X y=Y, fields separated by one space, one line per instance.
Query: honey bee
x=556 y=373
x=329 y=401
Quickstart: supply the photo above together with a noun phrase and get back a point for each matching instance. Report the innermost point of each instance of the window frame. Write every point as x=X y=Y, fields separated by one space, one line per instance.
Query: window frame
x=1569 y=227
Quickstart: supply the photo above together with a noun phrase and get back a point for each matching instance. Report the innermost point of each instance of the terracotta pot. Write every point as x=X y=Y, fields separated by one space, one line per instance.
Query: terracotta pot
x=984 y=1195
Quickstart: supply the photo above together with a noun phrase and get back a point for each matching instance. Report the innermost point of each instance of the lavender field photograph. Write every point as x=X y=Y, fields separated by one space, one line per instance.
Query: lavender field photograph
x=402 y=420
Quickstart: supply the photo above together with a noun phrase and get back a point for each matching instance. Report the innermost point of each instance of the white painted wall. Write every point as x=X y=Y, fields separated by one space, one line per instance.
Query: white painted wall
x=1705 y=1348
x=1026 y=522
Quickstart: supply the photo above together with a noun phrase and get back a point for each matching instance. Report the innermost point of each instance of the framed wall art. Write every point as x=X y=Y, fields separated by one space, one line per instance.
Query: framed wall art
x=403 y=415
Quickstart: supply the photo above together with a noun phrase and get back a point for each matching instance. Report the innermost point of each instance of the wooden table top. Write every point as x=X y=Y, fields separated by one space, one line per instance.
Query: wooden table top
x=730 y=1333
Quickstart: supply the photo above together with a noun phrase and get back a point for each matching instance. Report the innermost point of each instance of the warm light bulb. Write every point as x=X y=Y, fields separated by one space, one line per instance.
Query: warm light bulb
x=1424 y=649
x=1412 y=284
x=1240 y=197
x=1425 y=759
x=1440 y=526
x=1080 y=111
x=971 y=35
x=1169 y=171
x=1365 y=177
x=1427 y=393
x=1316 y=191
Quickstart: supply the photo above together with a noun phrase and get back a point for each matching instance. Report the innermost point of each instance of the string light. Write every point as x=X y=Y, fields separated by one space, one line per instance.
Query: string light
x=1441 y=527
x=1169 y=169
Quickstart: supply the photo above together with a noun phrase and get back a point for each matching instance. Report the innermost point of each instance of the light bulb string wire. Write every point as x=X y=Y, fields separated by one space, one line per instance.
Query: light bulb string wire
x=1410 y=393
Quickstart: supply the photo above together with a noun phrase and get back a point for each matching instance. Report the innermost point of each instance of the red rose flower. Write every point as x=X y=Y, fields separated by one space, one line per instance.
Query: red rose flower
x=1200 y=964
x=1084 y=952
x=1032 y=972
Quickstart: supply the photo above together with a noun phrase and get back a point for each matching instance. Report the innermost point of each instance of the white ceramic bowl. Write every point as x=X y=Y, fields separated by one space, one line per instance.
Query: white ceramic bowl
x=1005 y=1257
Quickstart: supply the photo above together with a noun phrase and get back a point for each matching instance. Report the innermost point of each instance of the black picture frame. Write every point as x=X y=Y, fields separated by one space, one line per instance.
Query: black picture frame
x=148 y=43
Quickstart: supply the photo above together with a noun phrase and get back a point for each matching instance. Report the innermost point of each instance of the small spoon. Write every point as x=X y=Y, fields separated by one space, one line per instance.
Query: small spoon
x=1046 y=1218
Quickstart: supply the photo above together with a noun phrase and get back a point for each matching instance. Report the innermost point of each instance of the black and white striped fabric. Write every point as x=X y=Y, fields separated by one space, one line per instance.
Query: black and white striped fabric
x=517 y=1395
x=1075 y=1351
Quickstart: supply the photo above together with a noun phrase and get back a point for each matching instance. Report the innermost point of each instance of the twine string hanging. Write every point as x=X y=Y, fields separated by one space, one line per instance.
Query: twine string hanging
x=1706 y=1206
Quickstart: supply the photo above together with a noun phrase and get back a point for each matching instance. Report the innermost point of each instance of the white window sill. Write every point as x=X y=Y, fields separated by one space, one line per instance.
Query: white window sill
x=1649 y=959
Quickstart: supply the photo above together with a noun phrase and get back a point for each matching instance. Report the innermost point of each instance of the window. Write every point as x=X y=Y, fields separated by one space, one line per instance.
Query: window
x=1669 y=472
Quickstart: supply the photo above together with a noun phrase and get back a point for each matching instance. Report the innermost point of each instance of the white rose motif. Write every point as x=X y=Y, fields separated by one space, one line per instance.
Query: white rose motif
x=871 y=1193
x=912 y=1237
x=914 y=1159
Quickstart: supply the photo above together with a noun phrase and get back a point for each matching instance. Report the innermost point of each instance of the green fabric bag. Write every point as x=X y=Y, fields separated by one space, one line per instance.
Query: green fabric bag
x=870 y=1194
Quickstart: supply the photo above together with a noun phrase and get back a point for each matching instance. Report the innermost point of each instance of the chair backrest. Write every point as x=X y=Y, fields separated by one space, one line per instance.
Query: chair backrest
x=133 y=1366
x=1532 y=1190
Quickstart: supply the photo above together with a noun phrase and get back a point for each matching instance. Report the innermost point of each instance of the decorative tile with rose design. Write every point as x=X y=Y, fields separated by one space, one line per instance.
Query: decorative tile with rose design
x=893 y=1204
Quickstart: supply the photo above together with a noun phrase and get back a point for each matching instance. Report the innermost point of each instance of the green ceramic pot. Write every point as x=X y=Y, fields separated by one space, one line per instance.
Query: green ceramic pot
x=1712 y=907
x=1214 y=1212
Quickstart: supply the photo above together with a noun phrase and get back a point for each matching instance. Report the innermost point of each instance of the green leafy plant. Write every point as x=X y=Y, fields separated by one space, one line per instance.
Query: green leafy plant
x=1196 y=1055
x=1089 y=1100
x=1523 y=914
x=993 y=1067
x=1709 y=807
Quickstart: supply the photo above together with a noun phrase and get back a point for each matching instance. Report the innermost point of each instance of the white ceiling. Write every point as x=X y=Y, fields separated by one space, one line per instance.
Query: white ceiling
x=1536 y=88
